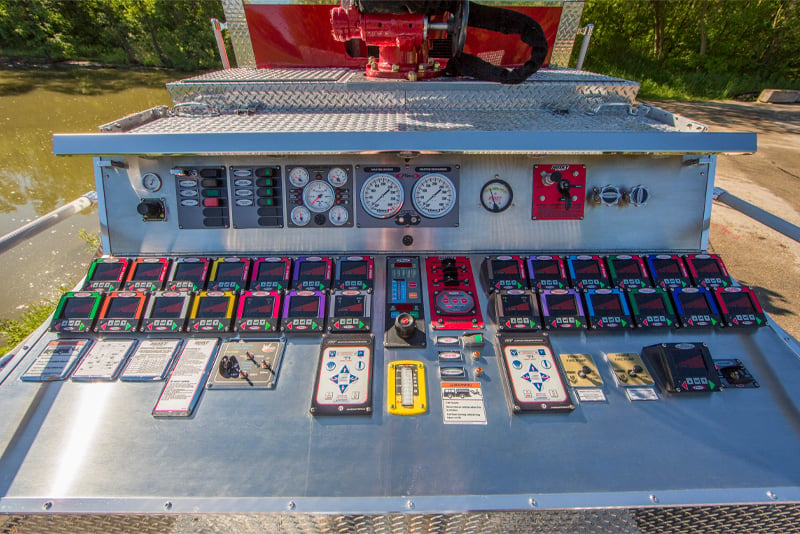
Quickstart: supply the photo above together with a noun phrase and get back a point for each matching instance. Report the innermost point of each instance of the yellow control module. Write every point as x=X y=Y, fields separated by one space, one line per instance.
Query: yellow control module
x=406 y=388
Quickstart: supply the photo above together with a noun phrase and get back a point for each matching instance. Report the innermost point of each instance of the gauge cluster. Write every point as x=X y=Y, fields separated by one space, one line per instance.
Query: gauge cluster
x=319 y=196
x=396 y=196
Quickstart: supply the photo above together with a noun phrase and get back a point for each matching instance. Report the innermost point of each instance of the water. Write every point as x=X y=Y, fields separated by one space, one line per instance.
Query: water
x=34 y=104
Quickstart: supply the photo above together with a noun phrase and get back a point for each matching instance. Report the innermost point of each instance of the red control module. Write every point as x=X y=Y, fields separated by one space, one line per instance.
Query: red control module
x=453 y=295
x=559 y=192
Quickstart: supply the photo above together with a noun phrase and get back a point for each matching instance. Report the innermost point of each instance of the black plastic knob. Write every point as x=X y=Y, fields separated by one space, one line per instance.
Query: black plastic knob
x=584 y=372
x=151 y=209
x=405 y=325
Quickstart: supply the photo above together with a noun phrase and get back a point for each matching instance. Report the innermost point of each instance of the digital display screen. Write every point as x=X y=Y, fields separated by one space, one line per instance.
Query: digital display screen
x=707 y=268
x=650 y=303
x=605 y=304
x=301 y=306
x=627 y=268
x=737 y=303
x=586 y=267
x=694 y=303
x=516 y=305
x=147 y=271
x=213 y=307
x=667 y=268
x=546 y=269
x=354 y=269
x=561 y=305
x=688 y=360
x=269 y=271
x=122 y=308
x=191 y=271
x=108 y=271
x=258 y=307
x=505 y=268
x=77 y=307
x=348 y=306
x=230 y=271
x=312 y=270
x=167 y=308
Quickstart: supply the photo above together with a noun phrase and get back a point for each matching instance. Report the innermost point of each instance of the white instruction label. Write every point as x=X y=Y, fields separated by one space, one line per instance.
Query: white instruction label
x=104 y=360
x=590 y=394
x=56 y=360
x=641 y=394
x=151 y=360
x=462 y=403
x=186 y=381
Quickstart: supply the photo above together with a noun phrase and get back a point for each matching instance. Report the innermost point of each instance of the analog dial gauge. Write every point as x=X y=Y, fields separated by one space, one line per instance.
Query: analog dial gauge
x=151 y=182
x=338 y=215
x=318 y=196
x=300 y=216
x=434 y=195
x=298 y=176
x=382 y=195
x=337 y=176
x=496 y=195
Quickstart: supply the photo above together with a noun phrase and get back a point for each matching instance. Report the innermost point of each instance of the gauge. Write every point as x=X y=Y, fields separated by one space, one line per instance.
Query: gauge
x=151 y=182
x=338 y=215
x=298 y=176
x=382 y=195
x=496 y=195
x=318 y=196
x=337 y=176
x=434 y=195
x=300 y=216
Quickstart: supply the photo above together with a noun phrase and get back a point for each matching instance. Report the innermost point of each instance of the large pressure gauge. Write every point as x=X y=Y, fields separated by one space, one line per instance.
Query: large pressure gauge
x=496 y=195
x=318 y=196
x=382 y=195
x=434 y=195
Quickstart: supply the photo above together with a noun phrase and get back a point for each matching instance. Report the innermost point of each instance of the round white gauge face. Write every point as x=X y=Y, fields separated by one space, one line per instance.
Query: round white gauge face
x=300 y=216
x=337 y=176
x=496 y=195
x=151 y=182
x=382 y=195
x=298 y=176
x=338 y=215
x=434 y=195
x=318 y=196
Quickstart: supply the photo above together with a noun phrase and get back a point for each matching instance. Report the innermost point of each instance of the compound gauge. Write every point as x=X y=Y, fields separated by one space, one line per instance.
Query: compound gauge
x=151 y=182
x=298 y=176
x=338 y=215
x=337 y=176
x=300 y=216
x=318 y=196
x=496 y=195
x=434 y=195
x=382 y=195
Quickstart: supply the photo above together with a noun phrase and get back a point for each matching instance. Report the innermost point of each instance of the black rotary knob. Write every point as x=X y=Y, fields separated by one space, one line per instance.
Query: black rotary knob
x=405 y=325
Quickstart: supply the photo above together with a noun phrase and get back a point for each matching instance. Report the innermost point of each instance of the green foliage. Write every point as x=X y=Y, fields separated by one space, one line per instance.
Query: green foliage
x=164 y=33
x=697 y=48
x=15 y=330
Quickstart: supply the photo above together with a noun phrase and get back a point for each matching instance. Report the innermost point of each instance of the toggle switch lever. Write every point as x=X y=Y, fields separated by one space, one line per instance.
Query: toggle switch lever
x=563 y=186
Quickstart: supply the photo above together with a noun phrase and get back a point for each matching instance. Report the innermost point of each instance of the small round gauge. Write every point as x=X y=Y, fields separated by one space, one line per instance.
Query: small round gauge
x=337 y=176
x=151 y=182
x=496 y=195
x=318 y=196
x=434 y=195
x=300 y=216
x=338 y=215
x=382 y=195
x=298 y=176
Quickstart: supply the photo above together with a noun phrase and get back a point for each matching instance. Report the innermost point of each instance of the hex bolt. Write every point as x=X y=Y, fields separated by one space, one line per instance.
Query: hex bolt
x=532 y=502
x=167 y=506
x=47 y=505
x=653 y=499
x=290 y=505
x=772 y=495
x=410 y=505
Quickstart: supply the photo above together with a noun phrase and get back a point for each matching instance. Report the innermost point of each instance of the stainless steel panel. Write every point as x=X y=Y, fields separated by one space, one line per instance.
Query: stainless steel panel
x=571 y=13
x=95 y=448
x=672 y=219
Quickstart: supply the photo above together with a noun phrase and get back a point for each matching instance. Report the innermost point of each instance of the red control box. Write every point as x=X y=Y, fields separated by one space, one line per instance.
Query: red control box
x=452 y=293
x=559 y=192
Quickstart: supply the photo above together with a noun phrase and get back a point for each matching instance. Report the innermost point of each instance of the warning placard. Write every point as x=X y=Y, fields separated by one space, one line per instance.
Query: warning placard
x=462 y=403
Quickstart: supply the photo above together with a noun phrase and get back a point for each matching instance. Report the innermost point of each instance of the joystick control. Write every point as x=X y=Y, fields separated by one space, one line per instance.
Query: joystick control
x=405 y=325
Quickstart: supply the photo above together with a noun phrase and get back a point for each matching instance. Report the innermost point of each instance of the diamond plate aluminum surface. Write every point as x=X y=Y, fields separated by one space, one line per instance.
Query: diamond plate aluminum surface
x=565 y=36
x=240 y=33
x=783 y=518
x=434 y=120
x=266 y=90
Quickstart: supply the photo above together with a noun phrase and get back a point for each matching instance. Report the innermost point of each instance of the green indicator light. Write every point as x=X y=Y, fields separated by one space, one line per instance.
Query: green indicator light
x=313 y=324
x=174 y=326
x=127 y=326
x=713 y=321
x=758 y=320
x=211 y=193
x=712 y=384
x=267 y=172
x=669 y=323
x=415 y=314
x=478 y=338
x=219 y=326
x=577 y=323
x=269 y=202
x=360 y=324
x=624 y=323
x=267 y=325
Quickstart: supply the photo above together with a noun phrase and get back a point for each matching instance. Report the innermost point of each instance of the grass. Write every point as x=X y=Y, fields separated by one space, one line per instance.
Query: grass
x=16 y=330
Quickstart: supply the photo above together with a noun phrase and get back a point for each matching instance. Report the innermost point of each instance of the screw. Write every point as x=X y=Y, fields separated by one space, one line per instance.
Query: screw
x=653 y=499
x=290 y=505
x=772 y=495
x=410 y=505
x=167 y=506
x=47 y=505
x=532 y=501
